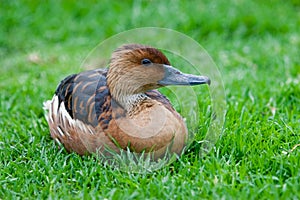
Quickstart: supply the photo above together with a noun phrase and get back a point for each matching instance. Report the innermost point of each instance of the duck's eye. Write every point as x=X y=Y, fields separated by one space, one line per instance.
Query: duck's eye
x=146 y=61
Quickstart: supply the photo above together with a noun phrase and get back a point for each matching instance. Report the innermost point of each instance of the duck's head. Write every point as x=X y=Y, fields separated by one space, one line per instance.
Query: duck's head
x=135 y=69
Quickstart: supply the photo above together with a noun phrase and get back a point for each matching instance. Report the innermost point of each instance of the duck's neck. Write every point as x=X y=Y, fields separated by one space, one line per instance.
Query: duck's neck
x=129 y=102
x=124 y=91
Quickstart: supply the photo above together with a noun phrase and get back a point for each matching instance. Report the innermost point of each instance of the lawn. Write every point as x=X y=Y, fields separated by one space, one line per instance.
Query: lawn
x=255 y=45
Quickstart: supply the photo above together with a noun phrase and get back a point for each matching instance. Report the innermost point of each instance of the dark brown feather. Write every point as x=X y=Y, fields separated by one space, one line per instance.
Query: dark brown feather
x=85 y=96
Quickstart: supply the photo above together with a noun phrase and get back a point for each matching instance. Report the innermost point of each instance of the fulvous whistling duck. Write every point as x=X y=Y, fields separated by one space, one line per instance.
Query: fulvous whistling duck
x=119 y=107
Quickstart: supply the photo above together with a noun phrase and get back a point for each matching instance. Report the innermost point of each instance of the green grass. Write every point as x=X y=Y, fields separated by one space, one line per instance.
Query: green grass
x=256 y=46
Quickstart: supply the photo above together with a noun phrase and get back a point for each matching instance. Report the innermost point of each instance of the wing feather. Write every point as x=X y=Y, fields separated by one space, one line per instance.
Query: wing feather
x=85 y=96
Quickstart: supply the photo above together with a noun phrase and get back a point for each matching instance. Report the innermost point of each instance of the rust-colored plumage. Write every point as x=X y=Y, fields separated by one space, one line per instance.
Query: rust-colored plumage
x=118 y=107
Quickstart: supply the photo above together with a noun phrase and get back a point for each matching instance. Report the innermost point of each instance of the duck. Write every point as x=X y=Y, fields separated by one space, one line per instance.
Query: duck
x=119 y=107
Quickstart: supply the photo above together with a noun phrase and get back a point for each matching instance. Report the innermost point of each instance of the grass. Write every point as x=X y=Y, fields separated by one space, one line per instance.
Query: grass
x=256 y=46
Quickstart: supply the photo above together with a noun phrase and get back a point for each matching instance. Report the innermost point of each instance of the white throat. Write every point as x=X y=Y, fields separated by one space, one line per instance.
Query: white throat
x=128 y=102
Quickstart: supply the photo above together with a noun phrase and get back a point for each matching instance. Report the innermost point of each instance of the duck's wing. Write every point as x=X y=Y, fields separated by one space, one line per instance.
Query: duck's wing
x=85 y=96
x=79 y=112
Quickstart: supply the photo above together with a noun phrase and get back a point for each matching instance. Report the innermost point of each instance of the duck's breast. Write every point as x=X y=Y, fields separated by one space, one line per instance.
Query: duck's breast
x=152 y=126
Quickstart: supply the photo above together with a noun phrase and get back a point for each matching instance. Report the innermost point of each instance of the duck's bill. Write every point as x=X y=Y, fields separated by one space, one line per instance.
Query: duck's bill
x=175 y=77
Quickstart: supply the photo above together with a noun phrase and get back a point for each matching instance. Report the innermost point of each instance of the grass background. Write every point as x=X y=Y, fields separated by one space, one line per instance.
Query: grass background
x=256 y=45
